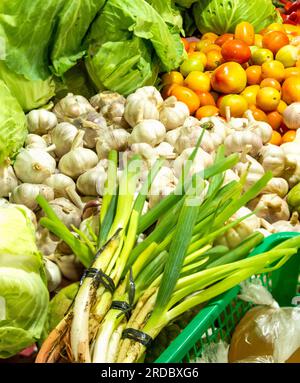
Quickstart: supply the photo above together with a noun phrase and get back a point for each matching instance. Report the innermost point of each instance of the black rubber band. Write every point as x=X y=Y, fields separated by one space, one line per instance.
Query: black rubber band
x=137 y=336
x=99 y=277
x=122 y=306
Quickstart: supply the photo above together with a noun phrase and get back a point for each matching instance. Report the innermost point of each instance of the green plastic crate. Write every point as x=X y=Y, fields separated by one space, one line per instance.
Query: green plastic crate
x=218 y=319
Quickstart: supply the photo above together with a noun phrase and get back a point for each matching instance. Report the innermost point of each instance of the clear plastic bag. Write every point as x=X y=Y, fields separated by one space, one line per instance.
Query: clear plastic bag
x=266 y=331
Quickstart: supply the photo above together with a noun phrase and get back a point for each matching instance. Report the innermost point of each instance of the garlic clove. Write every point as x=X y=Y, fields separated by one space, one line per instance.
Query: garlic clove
x=116 y=139
x=26 y=193
x=72 y=106
x=92 y=182
x=62 y=136
x=149 y=131
x=8 y=180
x=35 y=141
x=40 y=121
x=53 y=274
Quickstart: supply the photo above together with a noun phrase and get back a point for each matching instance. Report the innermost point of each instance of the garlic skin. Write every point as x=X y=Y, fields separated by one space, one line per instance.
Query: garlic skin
x=78 y=160
x=26 y=193
x=94 y=125
x=230 y=176
x=270 y=207
x=116 y=139
x=35 y=141
x=62 y=136
x=292 y=225
x=261 y=128
x=69 y=265
x=151 y=132
x=34 y=165
x=106 y=98
x=272 y=158
x=59 y=183
x=237 y=123
x=202 y=160
x=291 y=116
x=44 y=241
x=164 y=149
x=173 y=113
x=163 y=184
x=218 y=132
x=277 y=186
x=291 y=172
x=142 y=105
x=66 y=211
x=72 y=106
x=8 y=180
x=53 y=274
x=236 y=142
x=88 y=225
x=172 y=136
x=40 y=121
x=92 y=182
x=235 y=235
x=252 y=168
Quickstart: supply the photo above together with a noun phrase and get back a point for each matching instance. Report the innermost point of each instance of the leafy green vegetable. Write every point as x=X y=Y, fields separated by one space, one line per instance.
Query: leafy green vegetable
x=169 y=13
x=13 y=124
x=185 y=3
x=129 y=43
x=23 y=293
x=223 y=16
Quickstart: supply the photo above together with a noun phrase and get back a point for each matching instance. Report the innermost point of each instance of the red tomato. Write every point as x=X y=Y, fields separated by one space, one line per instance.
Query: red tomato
x=222 y=39
x=236 y=50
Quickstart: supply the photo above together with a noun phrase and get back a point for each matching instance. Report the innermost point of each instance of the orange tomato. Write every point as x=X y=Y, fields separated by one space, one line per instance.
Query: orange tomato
x=205 y=98
x=275 y=119
x=281 y=106
x=275 y=40
x=197 y=81
x=273 y=69
x=258 y=114
x=276 y=138
x=202 y=44
x=214 y=59
x=270 y=82
x=261 y=55
x=244 y=31
x=173 y=77
x=298 y=63
x=207 y=111
x=237 y=104
x=223 y=38
x=187 y=96
x=209 y=36
x=289 y=72
x=268 y=99
x=258 y=40
x=236 y=50
x=229 y=78
x=185 y=43
x=200 y=55
x=219 y=100
x=289 y=136
x=253 y=73
x=275 y=27
x=212 y=47
x=192 y=47
x=167 y=89
x=250 y=93
x=291 y=89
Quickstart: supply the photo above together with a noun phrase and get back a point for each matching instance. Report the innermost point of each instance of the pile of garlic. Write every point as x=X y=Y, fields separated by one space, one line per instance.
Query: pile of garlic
x=66 y=150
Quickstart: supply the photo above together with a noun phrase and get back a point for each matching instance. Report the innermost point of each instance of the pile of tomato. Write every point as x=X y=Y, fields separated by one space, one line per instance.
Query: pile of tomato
x=244 y=70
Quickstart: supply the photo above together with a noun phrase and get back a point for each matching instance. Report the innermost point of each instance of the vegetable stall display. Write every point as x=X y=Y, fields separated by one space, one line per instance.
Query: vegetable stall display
x=140 y=167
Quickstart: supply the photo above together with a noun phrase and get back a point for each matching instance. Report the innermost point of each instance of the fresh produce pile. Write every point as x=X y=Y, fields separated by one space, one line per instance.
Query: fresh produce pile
x=140 y=167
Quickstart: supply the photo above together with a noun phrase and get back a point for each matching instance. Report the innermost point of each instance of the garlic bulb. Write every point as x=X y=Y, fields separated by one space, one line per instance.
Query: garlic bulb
x=164 y=149
x=26 y=194
x=66 y=211
x=218 y=132
x=69 y=265
x=44 y=241
x=235 y=235
x=92 y=182
x=151 y=132
x=53 y=274
x=34 y=165
x=230 y=175
x=292 y=225
x=272 y=158
x=201 y=161
x=172 y=136
x=291 y=116
x=253 y=170
x=173 y=113
x=142 y=105
x=116 y=139
x=8 y=180
x=88 y=225
x=78 y=160
x=71 y=106
x=235 y=142
x=35 y=141
x=270 y=207
x=237 y=123
x=261 y=128
x=40 y=121
x=106 y=98
x=264 y=232
x=62 y=137
x=292 y=162
x=59 y=183
x=94 y=125
x=277 y=186
x=163 y=184
x=114 y=114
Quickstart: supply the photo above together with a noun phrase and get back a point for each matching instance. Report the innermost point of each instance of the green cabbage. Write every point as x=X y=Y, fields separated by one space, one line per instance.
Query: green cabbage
x=129 y=43
x=13 y=124
x=23 y=293
x=220 y=16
